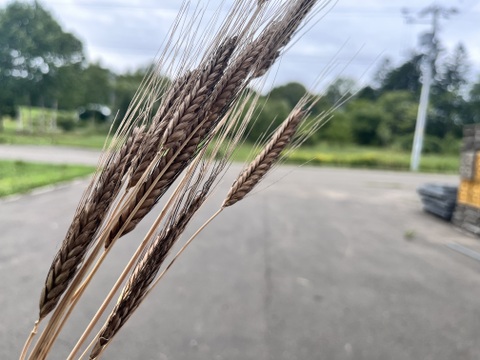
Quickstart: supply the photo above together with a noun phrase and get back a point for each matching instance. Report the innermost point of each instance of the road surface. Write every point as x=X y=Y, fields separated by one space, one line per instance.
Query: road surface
x=316 y=266
x=49 y=154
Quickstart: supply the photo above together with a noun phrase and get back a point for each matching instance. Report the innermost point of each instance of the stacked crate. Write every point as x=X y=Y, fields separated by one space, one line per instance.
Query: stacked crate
x=467 y=212
x=438 y=199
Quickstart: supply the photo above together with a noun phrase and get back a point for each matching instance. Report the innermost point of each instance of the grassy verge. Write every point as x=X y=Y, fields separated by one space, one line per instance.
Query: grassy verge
x=86 y=141
x=19 y=177
x=322 y=155
x=361 y=157
x=86 y=138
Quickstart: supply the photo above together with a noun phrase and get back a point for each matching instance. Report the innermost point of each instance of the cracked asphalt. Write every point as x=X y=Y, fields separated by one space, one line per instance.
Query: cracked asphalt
x=316 y=266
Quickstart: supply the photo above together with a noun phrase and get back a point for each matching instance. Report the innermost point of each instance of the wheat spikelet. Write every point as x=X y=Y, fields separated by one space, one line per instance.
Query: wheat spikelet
x=286 y=28
x=142 y=160
x=264 y=161
x=183 y=89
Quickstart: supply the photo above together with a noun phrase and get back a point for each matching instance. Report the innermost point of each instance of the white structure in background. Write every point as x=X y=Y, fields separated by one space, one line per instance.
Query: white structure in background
x=430 y=43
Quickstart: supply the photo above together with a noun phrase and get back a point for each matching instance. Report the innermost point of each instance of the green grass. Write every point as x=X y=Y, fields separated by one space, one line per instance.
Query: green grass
x=83 y=138
x=20 y=177
x=322 y=155
x=76 y=140
x=362 y=157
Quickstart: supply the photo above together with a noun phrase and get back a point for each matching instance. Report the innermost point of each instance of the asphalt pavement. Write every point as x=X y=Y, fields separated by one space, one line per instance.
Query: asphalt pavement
x=49 y=154
x=321 y=263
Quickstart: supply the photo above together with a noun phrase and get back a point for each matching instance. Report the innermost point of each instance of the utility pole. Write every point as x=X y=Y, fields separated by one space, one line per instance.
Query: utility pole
x=429 y=42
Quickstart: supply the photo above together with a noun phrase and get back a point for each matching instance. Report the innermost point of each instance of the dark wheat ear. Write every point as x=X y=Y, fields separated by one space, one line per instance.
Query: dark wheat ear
x=178 y=152
x=86 y=223
x=144 y=274
x=264 y=161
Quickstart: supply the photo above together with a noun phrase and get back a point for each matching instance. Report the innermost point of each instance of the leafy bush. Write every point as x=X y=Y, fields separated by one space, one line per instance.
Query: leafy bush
x=66 y=122
x=431 y=144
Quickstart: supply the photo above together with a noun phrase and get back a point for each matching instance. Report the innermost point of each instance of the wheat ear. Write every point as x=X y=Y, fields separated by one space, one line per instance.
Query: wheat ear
x=253 y=174
x=90 y=214
x=176 y=155
x=85 y=225
x=143 y=276
x=140 y=284
x=145 y=203
x=194 y=194
x=264 y=161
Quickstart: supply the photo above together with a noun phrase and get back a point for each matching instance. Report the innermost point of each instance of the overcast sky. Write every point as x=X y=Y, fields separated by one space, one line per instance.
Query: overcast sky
x=125 y=34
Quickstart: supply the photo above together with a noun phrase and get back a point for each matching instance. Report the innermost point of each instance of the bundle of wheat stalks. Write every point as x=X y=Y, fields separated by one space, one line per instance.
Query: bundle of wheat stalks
x=182 y=131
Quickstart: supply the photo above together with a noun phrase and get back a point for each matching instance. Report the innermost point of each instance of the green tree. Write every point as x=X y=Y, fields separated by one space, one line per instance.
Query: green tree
x=97 y=85
x=339 y=91
x=69 y=86
x=399 y=110
x=33 y=48
x=365 y=117
x=383 y=70
x=453 y=72
x=449 y=109
x=337 y=130
x=474 y=103
x=405 y=77
x=291 y=93
x=125 y=87
x=269 y=113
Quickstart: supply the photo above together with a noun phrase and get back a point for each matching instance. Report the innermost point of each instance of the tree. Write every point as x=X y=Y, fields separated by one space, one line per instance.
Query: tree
x=382 y=72
x=453 y=73
x=340 y=90
x=291 y=93
x=474 y=103
x=405 y=77
x=69 y=86
x=449 y=110
x=399 y=110
x=269 y=113
x=33 y=49
x=97 y=85
x=125 y=87
x=366 y=117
